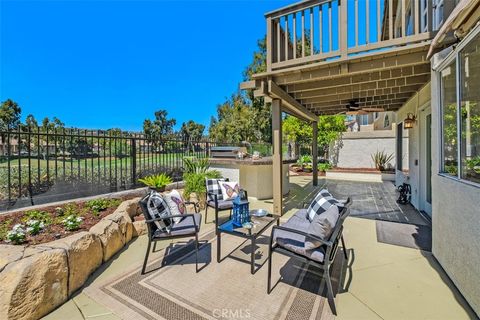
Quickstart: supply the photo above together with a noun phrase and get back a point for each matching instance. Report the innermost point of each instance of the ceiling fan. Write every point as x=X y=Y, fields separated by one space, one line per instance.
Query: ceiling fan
x=354 y=109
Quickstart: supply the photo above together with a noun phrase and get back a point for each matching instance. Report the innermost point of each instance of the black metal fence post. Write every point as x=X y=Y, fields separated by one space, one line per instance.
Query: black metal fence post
x=133 y=155
x=45 y=165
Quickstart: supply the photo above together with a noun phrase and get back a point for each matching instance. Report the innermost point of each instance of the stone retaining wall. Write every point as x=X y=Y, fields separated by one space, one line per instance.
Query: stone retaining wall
x=37 y=279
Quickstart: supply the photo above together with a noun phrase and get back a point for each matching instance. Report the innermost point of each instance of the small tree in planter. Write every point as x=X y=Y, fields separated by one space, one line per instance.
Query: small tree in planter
x=156 y=182
x=196 y=171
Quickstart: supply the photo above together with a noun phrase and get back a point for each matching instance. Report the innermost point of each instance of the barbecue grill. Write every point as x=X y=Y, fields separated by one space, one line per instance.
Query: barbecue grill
x=227 y=152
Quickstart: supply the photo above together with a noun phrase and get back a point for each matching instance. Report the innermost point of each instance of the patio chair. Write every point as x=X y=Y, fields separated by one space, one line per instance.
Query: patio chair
x=214 y=199
x=189 y=226
x=289 y=239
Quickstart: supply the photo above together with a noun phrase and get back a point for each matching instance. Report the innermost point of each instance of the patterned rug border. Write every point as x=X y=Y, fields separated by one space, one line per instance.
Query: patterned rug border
x=103 y=290
x=128 y=308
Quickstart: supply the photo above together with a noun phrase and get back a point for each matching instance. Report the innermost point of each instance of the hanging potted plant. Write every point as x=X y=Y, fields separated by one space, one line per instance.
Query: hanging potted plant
x=156 y=182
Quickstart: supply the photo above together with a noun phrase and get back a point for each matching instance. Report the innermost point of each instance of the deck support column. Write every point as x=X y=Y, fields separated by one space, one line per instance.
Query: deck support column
x=315 y=153
x=277 y=156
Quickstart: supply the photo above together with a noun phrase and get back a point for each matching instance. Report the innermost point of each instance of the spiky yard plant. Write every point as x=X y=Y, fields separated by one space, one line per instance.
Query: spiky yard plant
x=381 y=159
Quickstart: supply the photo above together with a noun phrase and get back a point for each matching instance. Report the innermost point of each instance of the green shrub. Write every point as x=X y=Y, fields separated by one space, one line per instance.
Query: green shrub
x=324 y=166
x=72 y=222
x=97 y=205
x=157 y=181
x=34 y=226
x=38 y=215
x=195 y=182
x=4 y=228
x=305 y=159
x=194 y=165
x=17 y=235
x=473 y=164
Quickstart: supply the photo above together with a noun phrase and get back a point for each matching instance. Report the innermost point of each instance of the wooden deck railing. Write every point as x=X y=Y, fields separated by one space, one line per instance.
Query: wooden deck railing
x=322 y=30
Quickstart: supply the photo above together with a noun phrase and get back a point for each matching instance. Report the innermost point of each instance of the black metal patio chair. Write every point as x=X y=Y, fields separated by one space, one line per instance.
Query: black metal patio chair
x=214 y=200
x=293 y=235
x=189 y=226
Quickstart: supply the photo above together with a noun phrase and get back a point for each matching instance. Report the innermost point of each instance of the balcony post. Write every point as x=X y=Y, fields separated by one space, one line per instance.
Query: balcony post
x=315 y=153
x=277 y=166
x=269 y=44
x=342 y=28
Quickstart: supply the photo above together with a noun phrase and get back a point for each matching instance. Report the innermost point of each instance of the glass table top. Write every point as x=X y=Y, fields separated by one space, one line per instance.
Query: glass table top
x=259 y=225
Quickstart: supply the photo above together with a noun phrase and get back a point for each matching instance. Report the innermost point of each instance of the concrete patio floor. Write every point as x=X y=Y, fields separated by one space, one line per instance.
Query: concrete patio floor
x=384 y=281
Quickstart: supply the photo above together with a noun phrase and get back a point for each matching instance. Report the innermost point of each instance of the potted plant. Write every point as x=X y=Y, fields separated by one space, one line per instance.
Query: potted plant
x=381 y=159
x=306 y=162
x=196 y=171
x=323 y=167
x=156 y=182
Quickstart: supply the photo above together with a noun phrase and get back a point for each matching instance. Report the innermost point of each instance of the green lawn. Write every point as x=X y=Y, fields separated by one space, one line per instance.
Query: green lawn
x=170 y=160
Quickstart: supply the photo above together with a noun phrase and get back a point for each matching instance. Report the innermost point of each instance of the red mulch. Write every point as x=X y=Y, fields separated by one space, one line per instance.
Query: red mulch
x=361 y=170
x=55 y=230
x=353 y=170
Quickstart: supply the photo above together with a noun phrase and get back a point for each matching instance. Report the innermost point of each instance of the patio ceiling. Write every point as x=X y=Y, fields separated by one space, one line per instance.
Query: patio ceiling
x=376 y=80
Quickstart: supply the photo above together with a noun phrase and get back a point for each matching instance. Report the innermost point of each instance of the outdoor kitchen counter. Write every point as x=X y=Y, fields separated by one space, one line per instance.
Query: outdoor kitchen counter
x=255 y=176
x=248 y=161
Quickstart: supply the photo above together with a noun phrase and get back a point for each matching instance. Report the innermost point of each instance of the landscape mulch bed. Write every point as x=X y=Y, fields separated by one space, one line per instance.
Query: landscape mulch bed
x=56 y=231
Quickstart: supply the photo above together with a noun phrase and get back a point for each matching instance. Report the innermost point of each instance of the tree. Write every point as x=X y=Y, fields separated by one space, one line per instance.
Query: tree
x=297 y=133
x=31 y=122
x=9 y=116
x=261 y=111
x=330 y=129
x=300 y=132
x=158 y=129
x=235 y=121
x=190 y=132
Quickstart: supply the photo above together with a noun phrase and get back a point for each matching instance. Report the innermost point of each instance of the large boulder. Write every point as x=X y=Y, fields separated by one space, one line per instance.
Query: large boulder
x=129 y=206
x=85 y=255
x=110 y=235
x=124 y=223
x=139 y=228
x=10 y=253
x=33 y=286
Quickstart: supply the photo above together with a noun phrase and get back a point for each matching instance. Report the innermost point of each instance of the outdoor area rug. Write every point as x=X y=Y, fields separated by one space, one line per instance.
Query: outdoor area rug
x=405 y=235
x=223 y=290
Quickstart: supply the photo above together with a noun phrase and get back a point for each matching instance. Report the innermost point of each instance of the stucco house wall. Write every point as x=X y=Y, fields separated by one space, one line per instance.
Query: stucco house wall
x=456 y=217
x=356 y=148
x=420 y=100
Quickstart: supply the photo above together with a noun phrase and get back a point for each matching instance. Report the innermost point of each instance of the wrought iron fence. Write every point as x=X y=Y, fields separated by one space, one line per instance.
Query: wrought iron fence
x=38 y=166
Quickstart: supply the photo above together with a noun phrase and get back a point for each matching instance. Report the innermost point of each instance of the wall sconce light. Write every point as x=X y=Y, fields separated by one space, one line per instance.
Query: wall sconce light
x=409 y=121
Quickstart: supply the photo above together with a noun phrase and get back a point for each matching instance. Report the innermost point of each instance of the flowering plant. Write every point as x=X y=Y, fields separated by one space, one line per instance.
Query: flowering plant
x=34 y=226
x=72 y=222
x=17 y=234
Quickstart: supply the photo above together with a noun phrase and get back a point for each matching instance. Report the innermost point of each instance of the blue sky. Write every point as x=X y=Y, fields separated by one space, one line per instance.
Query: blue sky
x=104 y=64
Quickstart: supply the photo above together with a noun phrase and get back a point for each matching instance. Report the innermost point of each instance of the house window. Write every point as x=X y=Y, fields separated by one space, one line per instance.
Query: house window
x=461 y=113
x=437 y=14
x=470 y=110
x=449 y=105
x=363 y=119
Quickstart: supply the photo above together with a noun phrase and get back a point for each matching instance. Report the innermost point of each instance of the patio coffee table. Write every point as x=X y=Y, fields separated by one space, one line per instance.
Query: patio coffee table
x=260 y=224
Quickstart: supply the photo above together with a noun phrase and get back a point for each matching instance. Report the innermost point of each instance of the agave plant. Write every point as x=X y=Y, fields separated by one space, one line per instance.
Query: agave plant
x=380 y=159
x=194 y=165
x=157 y=182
